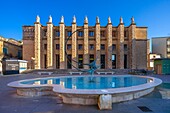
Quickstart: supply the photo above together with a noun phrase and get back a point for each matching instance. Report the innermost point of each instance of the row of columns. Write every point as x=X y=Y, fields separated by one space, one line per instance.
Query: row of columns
x=120 y=44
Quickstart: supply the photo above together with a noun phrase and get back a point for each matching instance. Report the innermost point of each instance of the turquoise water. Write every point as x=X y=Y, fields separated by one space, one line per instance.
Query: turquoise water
x=165 y=85
x=86 y=83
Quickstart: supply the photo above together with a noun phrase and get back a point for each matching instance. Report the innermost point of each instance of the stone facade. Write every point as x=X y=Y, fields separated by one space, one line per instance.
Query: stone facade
x=10 y=48
x=117 y=47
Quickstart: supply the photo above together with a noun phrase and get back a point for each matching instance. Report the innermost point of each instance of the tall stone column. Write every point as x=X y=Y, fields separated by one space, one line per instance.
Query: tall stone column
x=86 y=44
x=109 y=45
x=62 y=44
x=97 y=36
x=50 y=52
x=132 y=45
x=37 y=43
x=120 y=45
x=74 y=42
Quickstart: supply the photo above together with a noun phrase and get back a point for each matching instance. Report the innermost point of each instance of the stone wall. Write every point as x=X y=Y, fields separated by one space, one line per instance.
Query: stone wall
x=141 y=54
x=118 y=38
x=28 y=52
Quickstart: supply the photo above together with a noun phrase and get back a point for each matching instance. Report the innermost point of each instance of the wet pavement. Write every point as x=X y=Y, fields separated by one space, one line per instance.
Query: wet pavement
x=10 y=102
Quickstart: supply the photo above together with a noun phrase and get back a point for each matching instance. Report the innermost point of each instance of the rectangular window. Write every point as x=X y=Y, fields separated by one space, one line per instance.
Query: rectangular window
x=125 y=47
x=113 y=33
x=57 y=46
x=45 y=46
x=168 y=41
x=68 y=46
x=91 y=33
x=57 y=61
x=168 y=46
x=113 y=47
x=125 y=61
x=102 y=33
x=168 y=55
x=102 y=46
x=45 y=32
x=80 y=61
x=19 y=54
x=113 y=61
x=125 y=33
x=91 y=46
x=168 y=50
x=80 y=33
x=57 y=33
x=91 y=58
x=5 y=51
x=69 y=33
x=102 y=61
x=45 y=61
x=80 y=46
x=69 y=62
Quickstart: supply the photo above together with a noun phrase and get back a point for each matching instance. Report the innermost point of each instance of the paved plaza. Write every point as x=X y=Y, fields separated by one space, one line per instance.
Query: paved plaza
x=10 y=102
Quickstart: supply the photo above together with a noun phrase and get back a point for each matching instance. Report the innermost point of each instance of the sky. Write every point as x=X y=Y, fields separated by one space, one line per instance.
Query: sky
x=154 y=14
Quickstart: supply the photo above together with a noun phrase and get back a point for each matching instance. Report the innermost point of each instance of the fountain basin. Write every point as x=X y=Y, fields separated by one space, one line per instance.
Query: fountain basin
x=80 y=90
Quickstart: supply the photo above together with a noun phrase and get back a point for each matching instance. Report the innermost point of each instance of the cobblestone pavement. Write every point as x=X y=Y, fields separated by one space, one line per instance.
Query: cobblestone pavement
x=10 y=102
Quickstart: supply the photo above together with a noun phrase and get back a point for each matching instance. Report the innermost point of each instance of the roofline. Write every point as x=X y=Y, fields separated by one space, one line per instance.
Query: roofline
x=141 y=27
x=160 y=37
x=88 y=26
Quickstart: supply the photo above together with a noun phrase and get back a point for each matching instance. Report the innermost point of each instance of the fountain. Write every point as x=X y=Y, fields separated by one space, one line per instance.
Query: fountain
x=88 y=90
x=92 y=66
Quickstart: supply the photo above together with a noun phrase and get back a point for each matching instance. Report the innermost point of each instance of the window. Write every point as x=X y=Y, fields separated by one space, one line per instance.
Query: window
x=80 y=61
x=91 y=47
x=168 y=42
x=5 y=51
x=125 y=47
x=45 y=46
x=80 y=46
x=45 y=61
x=69 y=33
x=80 y=33
x=91 y=58
x=102 y=47
x=91 y=33
x=45 y=32
x=168 y=50
x=125 y=33
x=57 y=46
x=102 y=61
x=19 y=54
x=168 y=55
x=113 y=61
x=125 y=61
x=168 y=46
x=69 y=62
x=57 y=61
x=113 y=33
x=113 y=47
x=57 y=33
x=102 y=33
x=68 y=46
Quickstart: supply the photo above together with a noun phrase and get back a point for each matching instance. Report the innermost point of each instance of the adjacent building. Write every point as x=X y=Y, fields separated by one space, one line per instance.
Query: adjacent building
x=162 y=66
x=151 y=58
x=161 y=45
x=114 y=47
x=9 y=48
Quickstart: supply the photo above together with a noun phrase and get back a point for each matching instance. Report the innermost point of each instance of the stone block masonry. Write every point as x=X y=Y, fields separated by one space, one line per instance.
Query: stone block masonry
x=114 y=47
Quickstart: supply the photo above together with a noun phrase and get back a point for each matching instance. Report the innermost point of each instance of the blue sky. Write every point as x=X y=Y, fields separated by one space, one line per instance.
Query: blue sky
x=154 y=14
